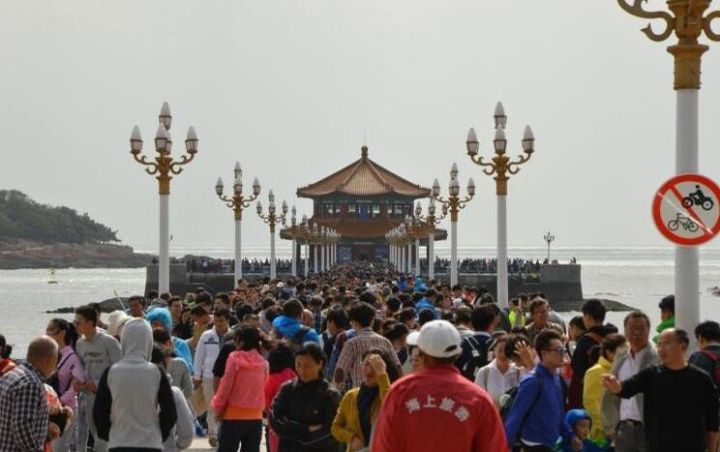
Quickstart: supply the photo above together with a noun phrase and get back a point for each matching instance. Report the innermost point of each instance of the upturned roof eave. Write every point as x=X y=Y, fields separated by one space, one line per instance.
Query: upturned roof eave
x=421 y=193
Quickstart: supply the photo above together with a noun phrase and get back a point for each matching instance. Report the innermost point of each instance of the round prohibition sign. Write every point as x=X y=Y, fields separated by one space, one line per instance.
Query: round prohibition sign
x=686 y=209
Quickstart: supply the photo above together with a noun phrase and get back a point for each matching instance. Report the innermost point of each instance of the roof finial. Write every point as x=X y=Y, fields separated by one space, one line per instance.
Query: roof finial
x=364 y=150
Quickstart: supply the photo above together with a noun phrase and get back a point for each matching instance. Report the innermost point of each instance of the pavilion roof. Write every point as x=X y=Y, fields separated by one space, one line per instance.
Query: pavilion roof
x=363 y=178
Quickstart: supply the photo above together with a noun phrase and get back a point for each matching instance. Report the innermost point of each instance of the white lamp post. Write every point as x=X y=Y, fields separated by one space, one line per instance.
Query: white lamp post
x=689 y=19
x=164 y=168
x=272 y=219
x=499 y=168
x=454 y=203
x=237 y=202
x=549 y=238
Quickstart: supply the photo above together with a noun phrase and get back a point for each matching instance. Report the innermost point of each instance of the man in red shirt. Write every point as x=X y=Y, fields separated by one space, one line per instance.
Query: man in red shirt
x=437 y=408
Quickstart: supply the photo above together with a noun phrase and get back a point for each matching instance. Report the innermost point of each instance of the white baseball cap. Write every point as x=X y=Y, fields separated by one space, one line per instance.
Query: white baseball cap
x=412 y=338
x=439 y=339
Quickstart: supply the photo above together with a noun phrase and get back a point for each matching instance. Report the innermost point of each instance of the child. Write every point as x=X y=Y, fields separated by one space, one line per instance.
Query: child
x=580 y=423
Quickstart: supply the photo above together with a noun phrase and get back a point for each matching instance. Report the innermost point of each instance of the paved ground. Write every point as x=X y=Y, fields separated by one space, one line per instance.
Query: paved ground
x=200 y=444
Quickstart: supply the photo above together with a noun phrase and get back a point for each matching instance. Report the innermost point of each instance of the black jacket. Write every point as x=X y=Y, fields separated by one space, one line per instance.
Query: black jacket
x=299 y=405
x=581 y=360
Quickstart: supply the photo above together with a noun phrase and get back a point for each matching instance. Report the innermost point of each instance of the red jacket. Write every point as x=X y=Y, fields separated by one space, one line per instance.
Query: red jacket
x=272 y=387
x=273 y=384
x=438 y=410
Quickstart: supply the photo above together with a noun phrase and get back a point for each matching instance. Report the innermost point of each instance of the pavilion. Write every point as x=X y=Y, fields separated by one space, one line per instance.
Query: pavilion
x=363 y=201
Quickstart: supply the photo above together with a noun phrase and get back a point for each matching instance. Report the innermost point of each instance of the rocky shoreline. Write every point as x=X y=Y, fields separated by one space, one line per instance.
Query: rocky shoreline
x=32 y=255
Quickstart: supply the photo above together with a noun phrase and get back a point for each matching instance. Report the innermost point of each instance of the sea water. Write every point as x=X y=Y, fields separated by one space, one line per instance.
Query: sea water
x=637 y=277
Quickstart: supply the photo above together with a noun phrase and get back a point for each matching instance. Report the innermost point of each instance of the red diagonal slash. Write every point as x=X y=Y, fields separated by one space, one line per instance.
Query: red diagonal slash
x=691 y=211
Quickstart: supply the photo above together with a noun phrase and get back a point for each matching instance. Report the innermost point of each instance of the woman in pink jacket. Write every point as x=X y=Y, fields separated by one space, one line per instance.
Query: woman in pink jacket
x=240 y=399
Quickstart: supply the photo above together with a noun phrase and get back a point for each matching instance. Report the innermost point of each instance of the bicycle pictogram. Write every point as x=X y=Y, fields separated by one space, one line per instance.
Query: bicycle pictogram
x=687 y=223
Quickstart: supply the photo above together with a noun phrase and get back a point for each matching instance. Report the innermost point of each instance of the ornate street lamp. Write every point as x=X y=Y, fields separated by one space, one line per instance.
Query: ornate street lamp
x=315 y=238
x=454 y=203
x=549 y=238
x=163 y=168
x=402 y=238
x=272 y=219
x=688 y=19
x=499 y=168
x=295 y=235
x=237 y=202
x=431 y=221
x=305 y=234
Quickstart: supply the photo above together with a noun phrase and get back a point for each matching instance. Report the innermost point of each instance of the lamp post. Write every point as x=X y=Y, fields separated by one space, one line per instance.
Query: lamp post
x=454 y=203
x=305 y=231
x=400 y=239
x=412 y=240
x=688 y=20
x=294 y=233
x=237 y=202
x=500 y=167
x=549 y=238
x=333 y=239
x=321 y=241
x=316 y=238
x=163 y=168
x=431 y=222
x=272 y=219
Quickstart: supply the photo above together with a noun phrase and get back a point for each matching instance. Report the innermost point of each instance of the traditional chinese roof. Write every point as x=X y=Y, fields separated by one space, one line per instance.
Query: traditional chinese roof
x=363 y=178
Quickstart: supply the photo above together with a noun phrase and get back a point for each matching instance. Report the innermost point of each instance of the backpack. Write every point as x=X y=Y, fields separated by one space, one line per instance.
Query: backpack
x=715 y=358
x=54 y=380
x=478 y=359
x=297 y=339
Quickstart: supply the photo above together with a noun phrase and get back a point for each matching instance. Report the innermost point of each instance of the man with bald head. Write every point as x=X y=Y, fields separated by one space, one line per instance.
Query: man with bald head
x=23 y=407
x=681 y=401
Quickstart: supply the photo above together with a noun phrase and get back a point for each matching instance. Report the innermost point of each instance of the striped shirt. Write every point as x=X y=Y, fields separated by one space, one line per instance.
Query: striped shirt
x=350 y=360
x=23 y=410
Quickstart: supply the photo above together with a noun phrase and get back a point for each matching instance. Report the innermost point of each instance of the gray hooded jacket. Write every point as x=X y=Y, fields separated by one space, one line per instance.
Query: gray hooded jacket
x=134 y=406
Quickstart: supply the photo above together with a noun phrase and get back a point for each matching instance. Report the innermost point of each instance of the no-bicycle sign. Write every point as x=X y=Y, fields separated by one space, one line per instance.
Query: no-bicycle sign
x=686 y=209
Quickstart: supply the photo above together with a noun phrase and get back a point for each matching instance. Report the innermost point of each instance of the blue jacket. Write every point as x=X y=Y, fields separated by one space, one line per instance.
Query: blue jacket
x=182 y=350
x=426 y=304
x=537 y=412
x=288 y=327
x=573 y=417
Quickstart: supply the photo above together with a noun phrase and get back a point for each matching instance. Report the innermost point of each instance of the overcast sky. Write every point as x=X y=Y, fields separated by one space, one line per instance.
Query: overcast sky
x=291 y=88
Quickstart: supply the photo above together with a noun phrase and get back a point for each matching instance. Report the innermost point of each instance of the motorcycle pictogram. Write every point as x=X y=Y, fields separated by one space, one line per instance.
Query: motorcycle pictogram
x=686 y=222
x=698 y=198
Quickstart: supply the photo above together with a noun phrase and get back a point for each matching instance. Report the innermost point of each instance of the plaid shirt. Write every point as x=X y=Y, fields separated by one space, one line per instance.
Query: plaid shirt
x=23 y=410
x=350 y=360
x=533 y=330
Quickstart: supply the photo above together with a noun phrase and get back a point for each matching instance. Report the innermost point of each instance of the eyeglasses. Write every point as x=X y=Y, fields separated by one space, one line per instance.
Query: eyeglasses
x=558 y=350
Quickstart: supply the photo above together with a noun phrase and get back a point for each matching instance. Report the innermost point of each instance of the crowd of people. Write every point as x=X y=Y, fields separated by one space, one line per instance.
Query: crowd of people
x=260 y=266
x=360 y=358
x=213 y=265
x=489 y=265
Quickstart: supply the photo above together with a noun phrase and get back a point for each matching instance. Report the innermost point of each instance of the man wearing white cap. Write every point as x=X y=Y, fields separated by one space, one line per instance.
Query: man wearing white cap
x=437 y=408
